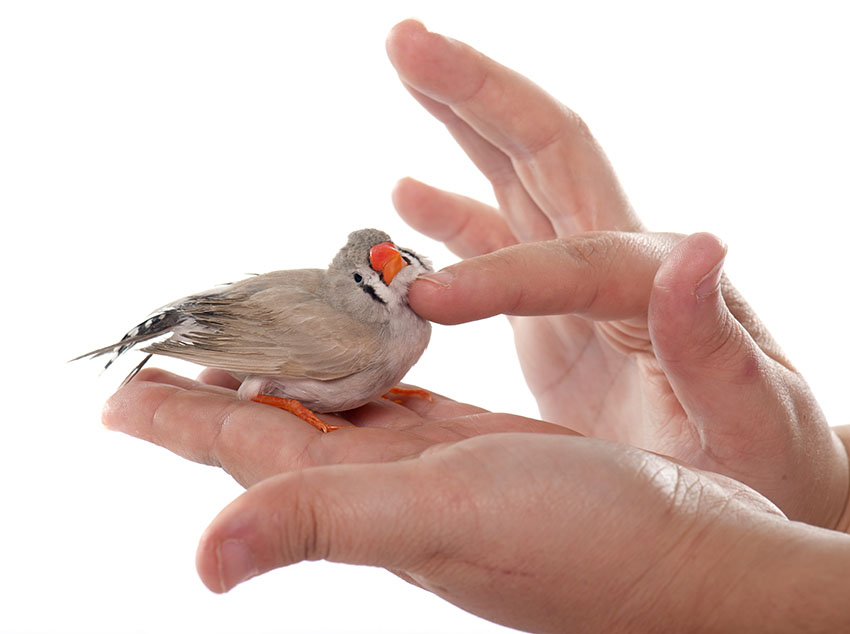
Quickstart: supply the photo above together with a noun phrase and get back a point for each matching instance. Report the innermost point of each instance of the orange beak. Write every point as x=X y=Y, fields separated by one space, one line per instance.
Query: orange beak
x=384 y=257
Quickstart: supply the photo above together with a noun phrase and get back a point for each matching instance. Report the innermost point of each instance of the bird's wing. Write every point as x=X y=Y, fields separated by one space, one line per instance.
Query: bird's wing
x=276 y=325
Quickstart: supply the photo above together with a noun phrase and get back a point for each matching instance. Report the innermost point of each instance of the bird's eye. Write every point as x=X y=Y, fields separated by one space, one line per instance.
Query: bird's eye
x=358 y=278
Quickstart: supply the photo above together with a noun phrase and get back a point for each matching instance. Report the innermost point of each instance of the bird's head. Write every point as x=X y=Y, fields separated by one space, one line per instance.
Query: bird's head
x=370 y=275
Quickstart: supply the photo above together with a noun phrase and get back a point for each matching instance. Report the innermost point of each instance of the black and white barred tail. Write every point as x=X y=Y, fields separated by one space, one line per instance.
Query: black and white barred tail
x=155 y=326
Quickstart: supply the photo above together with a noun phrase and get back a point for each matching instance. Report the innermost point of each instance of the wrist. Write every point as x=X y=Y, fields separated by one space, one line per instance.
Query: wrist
x=747 y=571
x=781 y=576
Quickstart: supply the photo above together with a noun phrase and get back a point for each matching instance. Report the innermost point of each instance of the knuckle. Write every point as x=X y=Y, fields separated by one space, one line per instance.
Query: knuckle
x=309 y=536
x=476 y=88
x=566 y=125
x=590 y=250
x=575 y=122
x=223 y=430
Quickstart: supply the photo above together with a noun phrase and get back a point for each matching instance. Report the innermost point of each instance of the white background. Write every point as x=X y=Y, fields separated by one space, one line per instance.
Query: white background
x=152 y=149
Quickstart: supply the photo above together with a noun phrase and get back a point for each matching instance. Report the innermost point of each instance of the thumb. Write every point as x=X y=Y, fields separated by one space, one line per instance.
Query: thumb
x=360 y=514
x=704 y=351
x=720 y=375
x=755 y=418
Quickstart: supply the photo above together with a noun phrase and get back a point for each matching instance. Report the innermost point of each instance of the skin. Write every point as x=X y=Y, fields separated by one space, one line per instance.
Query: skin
x=679 y=494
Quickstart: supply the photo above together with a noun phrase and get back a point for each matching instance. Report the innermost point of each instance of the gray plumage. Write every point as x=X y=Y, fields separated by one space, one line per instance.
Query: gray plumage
x=332 y=339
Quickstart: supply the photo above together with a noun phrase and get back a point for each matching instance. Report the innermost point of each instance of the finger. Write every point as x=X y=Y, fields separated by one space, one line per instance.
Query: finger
x=742 y=311
x=221 y=378
x=415 y=408
x=502 y=106
x=554 y=155
x=210 y=425
x=444 y=420
x=363 y=514
x=606 y=275
x=158 y=375
x=478 y=424
x=466 y=226
x=399 y=515
x=493 y=162
x=726 y=384
x=526 y=220
x=709 y=358
x=424 y=412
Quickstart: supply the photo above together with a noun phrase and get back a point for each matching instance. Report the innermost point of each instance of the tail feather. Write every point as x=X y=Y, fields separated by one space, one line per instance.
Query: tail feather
x=155 y=326
x=136 y=370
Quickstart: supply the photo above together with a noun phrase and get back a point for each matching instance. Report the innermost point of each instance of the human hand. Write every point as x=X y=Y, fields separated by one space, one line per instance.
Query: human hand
x=543 y=530
x=622 y=334
x=206 y=422
x=538 y=532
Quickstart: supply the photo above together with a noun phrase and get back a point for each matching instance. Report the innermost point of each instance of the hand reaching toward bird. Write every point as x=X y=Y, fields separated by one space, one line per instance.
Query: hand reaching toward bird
x=622 y=334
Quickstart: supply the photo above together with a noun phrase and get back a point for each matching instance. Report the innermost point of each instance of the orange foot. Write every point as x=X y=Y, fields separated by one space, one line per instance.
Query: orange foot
x=294 y=407
x=407 y=391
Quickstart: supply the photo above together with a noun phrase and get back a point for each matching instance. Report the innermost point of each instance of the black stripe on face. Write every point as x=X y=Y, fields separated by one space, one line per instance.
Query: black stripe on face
x=370 y=291
x=407 y=255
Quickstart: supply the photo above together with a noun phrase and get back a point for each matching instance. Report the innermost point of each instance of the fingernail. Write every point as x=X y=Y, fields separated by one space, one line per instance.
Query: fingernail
x=235 y=563
x=442 y=278
x=710 y=283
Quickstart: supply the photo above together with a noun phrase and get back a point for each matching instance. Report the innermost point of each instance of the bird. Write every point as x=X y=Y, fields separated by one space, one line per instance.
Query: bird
x=304 y=340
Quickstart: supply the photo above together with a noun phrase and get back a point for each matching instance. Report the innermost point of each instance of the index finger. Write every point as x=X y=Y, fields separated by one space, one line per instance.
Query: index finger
x=603 y=276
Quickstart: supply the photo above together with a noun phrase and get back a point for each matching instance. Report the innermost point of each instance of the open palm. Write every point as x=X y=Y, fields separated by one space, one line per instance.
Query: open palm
x=205 y=421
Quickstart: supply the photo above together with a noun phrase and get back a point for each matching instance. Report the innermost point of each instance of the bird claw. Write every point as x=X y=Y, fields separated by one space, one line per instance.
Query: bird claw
x=404 y=392
x=294 y=407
